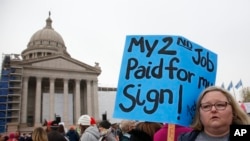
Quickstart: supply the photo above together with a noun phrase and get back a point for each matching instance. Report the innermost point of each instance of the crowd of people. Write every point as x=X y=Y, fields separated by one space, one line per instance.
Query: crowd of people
x=216 y=110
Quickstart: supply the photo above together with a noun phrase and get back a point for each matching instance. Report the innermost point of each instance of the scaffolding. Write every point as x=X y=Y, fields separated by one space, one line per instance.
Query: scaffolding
x=10 y=93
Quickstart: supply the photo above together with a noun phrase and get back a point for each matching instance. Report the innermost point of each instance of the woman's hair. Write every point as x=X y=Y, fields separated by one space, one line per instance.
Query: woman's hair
x=239 y=116
x=127 y=125
x=60 y=129
x=39 y=134
x=149 y=127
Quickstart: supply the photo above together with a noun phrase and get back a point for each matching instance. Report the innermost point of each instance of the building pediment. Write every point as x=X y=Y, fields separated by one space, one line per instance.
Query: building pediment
x=62 y=63
x=59 y=63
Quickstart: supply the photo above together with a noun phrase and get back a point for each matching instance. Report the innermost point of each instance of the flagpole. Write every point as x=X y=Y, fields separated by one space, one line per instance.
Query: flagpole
x=231 y=86
x=242 y=89
x=234 y=94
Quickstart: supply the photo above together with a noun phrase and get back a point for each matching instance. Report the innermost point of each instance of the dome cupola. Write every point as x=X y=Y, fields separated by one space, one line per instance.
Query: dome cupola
x=45 y=42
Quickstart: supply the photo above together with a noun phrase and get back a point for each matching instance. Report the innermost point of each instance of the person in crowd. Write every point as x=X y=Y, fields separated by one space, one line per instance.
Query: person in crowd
x=1 y=137
x=24 y=135
x=12 y=137
x=6 y=137
x=149 y=127
x=19 y=136
x=88 y=128
x=61 y=130
x=139 y=135
x=216 y=110
x=144 y=131
x=72 y=134
x=242 y=105
x=116 y=130
x=39 y=134
x=65 y=129
x=106 y=131
x=29 y=136
x=126 y=126
x=162 y=134
x=53 y=134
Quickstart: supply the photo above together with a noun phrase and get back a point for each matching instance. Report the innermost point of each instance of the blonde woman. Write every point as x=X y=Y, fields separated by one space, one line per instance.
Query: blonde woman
x=39 y=134
x=216 y=110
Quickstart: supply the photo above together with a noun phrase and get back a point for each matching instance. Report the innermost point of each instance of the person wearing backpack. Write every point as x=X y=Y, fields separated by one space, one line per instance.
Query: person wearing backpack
x=126 y=126
x=72 y=134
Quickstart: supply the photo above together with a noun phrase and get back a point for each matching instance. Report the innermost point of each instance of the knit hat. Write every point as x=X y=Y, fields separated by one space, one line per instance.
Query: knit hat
x=84 y=120
x=105 y=124
x=92 y=121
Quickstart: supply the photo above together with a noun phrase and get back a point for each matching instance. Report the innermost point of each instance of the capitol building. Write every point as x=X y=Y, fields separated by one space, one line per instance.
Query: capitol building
x=45 y=82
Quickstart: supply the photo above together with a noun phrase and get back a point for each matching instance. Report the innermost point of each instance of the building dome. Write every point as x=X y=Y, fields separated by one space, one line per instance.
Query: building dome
x=45 y=42
x=47 y=34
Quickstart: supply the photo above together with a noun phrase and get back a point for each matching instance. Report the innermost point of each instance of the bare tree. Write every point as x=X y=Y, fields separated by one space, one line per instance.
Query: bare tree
x=245 y=93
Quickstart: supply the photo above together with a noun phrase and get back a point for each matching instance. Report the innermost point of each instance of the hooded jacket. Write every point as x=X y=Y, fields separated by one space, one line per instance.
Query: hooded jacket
x=108 y=136
x=90 y=134
x=73 y=135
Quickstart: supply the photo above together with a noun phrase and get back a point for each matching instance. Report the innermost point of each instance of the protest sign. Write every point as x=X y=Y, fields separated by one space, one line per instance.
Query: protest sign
x=161 y=77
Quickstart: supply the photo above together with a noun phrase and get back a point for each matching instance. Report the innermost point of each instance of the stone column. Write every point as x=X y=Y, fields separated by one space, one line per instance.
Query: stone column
x=52 y=98
x=38 y=102
x=89 y=98
x=95 y=99
x=77 y=108
x=24 y=100
x=66 y=102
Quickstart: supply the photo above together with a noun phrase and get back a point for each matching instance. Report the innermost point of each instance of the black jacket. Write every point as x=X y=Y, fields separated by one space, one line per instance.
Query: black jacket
x=139 y=135
x=188 y=136
x=73 y=135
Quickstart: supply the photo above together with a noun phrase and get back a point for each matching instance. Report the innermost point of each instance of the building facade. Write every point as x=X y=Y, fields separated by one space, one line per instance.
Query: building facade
x=45 y=82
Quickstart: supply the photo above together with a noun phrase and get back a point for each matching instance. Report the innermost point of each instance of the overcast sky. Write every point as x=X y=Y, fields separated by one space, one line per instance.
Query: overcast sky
x=95 y=30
